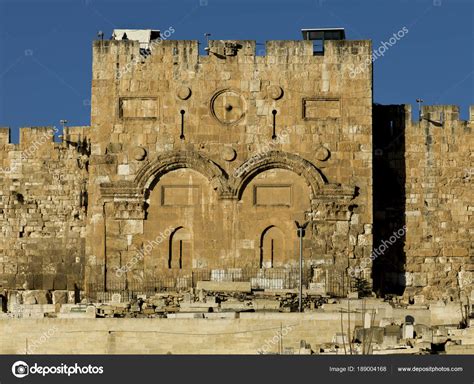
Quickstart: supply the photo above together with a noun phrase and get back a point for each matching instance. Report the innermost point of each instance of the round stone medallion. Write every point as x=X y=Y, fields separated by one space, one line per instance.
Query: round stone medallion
x=275 y=92
x=228 y=106
x=139 y=153
x=183 y=93
x=228 y=154
x=322 y=153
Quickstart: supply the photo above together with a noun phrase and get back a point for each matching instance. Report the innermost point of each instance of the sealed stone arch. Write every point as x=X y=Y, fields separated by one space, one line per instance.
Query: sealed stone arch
x=180 y=249
x=151 y=172
x=272 y=245
x=261 y=162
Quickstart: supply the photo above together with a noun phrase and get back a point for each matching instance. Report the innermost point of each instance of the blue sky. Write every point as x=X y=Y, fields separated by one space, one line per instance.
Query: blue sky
x=45 y=46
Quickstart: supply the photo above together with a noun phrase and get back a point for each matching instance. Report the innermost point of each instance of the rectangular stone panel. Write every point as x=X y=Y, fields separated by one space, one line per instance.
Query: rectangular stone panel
x=180 y=195
x=272 y=195
x=138 y=107
x=321 y=108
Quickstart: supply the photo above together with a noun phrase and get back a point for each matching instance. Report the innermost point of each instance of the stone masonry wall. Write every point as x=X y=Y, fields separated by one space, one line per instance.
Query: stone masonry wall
x=237 y=119
x=225 y=151
x=429 y=164
x=440 y=203
x=43 y=205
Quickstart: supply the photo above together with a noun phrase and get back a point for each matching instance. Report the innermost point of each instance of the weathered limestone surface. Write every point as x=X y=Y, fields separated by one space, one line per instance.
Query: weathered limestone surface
x=204 y=163
x=221 y=154
x=217 y=333
x=43 y=207
x=177 y=335
x=430 y=165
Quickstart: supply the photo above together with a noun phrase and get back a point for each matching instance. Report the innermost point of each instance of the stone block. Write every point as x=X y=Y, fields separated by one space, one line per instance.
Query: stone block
x=340 y=338
x=266 y=304
x=224 y=286
x=60 y=297
x=419 y=280
x=419 y=299
x=221 y=315
x=14 y=299
x=236 y=306
x=180 y=315
x=29 y=297
x=408 y=331
x=116 y=298
x=77 y=315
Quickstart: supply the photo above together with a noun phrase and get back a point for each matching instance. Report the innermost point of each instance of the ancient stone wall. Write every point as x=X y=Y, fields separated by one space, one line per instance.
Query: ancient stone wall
x=43 y=207
x=221 y=153
x=205 y=162
x=423 y=180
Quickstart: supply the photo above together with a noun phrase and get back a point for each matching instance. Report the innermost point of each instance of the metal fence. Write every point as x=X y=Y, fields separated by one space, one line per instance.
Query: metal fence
x=336 y=282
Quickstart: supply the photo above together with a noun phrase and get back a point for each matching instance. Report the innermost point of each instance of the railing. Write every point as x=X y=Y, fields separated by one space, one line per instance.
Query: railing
x=259 y=278
x=337 y=282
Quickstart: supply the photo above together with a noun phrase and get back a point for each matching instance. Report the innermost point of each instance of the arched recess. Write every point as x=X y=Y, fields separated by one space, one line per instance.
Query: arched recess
x=180 y=249
x=182 y=201
x=277 y=159
x=272 y=247
x=150 y=173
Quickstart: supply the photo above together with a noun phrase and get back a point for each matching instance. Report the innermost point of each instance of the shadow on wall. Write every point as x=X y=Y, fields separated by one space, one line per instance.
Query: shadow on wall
x=388 y=271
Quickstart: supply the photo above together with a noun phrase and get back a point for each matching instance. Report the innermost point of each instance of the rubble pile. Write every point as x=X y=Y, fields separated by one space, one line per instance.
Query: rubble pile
x=372 y=326
x=36 y=304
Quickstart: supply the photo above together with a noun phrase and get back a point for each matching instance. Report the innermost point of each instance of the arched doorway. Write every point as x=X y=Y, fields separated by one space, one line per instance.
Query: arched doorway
x=180 y=249
x=272 y=247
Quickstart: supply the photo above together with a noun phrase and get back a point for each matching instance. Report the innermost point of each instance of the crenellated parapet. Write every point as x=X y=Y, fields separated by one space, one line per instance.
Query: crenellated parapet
x=237 y=50
x=442 y=116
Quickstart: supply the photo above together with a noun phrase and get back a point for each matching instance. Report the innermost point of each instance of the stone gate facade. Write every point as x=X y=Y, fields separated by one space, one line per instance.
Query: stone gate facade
x=205 y=162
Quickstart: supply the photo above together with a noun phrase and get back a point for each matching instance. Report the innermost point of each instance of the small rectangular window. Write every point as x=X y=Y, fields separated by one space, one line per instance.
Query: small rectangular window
x=318 y=47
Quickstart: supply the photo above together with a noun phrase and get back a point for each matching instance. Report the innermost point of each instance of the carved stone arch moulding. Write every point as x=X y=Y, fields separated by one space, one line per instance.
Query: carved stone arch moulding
x=328 y=201
x=278 y=159
x=151 y=171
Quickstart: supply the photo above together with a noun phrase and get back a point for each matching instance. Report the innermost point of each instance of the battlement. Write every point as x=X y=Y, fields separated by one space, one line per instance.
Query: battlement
x=76 y=134
x=28 y=135
x=42 y=137
x=4 y=135
x=222 y=49
x=435 y=114
x=396 y=124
